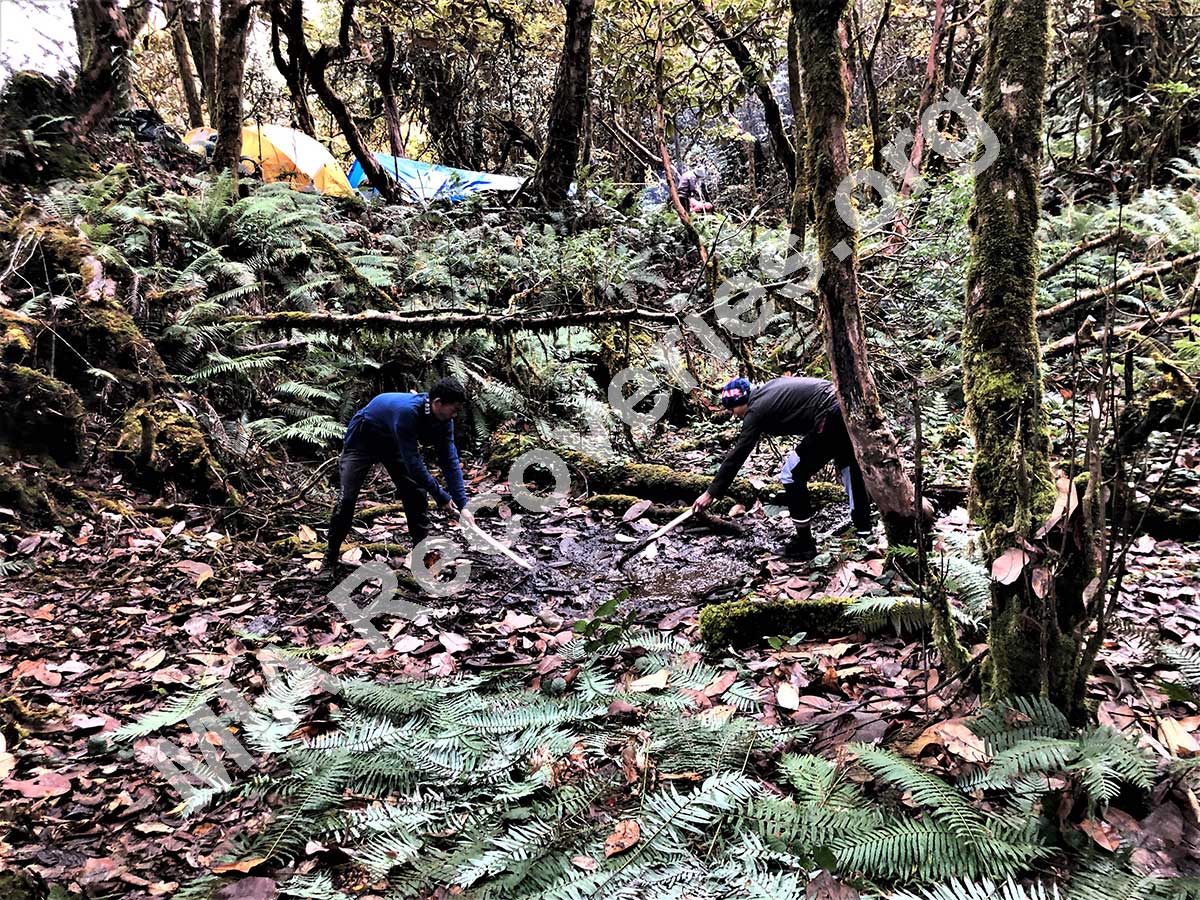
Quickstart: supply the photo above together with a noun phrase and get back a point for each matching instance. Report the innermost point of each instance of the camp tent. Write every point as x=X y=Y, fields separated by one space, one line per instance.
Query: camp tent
x=428 y=181
x=284 y=154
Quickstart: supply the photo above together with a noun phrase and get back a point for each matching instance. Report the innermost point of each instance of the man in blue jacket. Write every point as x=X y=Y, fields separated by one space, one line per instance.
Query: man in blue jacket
x=389 y=430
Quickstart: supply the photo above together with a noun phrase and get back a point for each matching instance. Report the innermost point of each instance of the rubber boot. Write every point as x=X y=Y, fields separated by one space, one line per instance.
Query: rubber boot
x=800 y=546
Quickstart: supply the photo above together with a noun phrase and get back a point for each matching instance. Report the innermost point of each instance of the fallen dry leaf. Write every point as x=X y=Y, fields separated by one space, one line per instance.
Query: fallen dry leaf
x=48 y=784
x=655 y=682
x=1176 y=738
x=1102 y=833
x=242 y=865
x=636 y=510
x=454 y=643
x=787 y=696
x=199 y=571
x=624 y=836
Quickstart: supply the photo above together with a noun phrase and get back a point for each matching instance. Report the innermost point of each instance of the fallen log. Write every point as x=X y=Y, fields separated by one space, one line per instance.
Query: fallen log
x=1142 y=326
x=1077 y=251
x=1146 y=272
x=436 y=321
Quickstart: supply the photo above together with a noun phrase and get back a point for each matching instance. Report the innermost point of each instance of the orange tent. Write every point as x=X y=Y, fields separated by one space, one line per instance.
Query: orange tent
x=284 y=154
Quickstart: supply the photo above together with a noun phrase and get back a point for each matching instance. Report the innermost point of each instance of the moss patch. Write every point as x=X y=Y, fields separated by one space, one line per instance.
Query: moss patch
x=641 y=481
x=167 y=445
x=740 y=623
x=40 y=414
x=18 y=334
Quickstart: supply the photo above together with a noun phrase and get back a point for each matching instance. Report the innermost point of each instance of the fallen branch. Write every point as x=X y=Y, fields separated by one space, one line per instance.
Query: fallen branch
x=1067 y=344
x=375 y=320
x=1075 y=252
x=1085 y=297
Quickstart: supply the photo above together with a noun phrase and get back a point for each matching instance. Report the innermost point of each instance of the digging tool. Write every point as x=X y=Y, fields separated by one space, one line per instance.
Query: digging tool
x=492 y=542
x=642 y=545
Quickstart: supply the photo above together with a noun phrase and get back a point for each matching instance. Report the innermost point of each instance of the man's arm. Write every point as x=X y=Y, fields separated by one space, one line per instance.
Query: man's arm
x=414 y=463
x=732 y=464
x=452 y=467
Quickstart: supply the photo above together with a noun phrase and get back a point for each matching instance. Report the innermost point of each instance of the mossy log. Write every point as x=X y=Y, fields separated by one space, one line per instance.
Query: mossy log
x=166 y=445
x=741 y=623
x=641 y=481
x=39 y=414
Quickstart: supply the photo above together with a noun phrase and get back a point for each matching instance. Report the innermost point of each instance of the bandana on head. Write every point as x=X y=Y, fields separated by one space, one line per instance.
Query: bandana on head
x=735 y=393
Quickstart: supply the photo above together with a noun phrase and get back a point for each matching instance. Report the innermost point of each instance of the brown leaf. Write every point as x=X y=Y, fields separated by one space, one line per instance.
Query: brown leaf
x=655 y=682
x=305 y=534
x=826 y=887
x=1102 y=833
x=585 y=862
x=637 y=510
x=787 y=696
x=624 y=836
x=1176 y=738
x=721 y=684
x=48 y=784
x=149 y=659
x=454 y=643
x=199 y=571
x=1008 y=565
x=242 y=865
x=36 y=669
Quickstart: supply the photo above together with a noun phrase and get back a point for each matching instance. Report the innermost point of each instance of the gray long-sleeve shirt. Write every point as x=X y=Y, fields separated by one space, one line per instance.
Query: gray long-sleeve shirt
x=793 y=406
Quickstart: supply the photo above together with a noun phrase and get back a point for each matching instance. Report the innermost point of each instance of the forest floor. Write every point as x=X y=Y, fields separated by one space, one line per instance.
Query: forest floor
x=118 y=616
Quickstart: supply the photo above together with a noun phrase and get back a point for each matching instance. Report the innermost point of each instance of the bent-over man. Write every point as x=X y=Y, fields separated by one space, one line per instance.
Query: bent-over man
x=808 y=409
x=390 y=430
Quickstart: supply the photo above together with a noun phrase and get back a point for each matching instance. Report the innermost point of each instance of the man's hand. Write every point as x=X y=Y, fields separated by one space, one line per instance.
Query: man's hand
x=465 y=518
x=703 y=502
x=449 y=507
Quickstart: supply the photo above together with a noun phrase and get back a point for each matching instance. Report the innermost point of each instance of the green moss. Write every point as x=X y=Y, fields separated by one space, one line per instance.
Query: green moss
x=166 y=445
x=740 y=623
x=18 y=334
x=23 y=490
x=642 y=481
x=40 y=414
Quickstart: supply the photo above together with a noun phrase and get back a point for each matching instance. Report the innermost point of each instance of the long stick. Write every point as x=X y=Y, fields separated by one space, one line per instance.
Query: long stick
x=641 y=545
x=491 y=541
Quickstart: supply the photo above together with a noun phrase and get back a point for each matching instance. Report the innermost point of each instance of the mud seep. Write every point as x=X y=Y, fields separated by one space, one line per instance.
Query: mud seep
x=576 y=566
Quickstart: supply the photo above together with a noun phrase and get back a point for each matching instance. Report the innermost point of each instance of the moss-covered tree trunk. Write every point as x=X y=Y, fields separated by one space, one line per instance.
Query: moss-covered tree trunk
x=845 y=342
x=104 y=32
x=231 y=60
x=826 y=83
x=560 y=155
x=1012 y=487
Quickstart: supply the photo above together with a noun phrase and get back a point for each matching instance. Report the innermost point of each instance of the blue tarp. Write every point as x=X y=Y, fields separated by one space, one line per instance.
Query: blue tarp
x=427 y=181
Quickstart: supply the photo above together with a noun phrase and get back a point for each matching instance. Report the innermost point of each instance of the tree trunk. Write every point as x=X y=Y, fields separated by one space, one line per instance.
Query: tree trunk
x=104 y=34
x=556 y=168
x=231 y=63
x=798 y=214
x=387 y=91
x=1012 y=488
x=290 y=66
x=208 y=44
x=315 y=66
x=187 y=78
x=917 y=152
x=827 y=104
x=757 y=81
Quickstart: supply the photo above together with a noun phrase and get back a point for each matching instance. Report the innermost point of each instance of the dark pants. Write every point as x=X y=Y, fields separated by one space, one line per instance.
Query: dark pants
x=354 y=467
x=829 y=441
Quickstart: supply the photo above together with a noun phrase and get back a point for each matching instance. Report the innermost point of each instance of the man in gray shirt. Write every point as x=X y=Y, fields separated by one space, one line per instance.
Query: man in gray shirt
x=806 y=408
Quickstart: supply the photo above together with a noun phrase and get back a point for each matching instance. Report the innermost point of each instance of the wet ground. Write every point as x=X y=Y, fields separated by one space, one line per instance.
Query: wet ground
x=576 y=553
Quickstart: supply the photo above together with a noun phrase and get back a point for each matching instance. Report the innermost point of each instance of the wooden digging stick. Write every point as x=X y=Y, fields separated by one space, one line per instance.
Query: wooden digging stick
x=642 y=545
x=491 y=541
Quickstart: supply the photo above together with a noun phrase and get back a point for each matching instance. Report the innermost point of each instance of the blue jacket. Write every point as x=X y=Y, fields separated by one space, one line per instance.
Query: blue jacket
x=391 y=426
